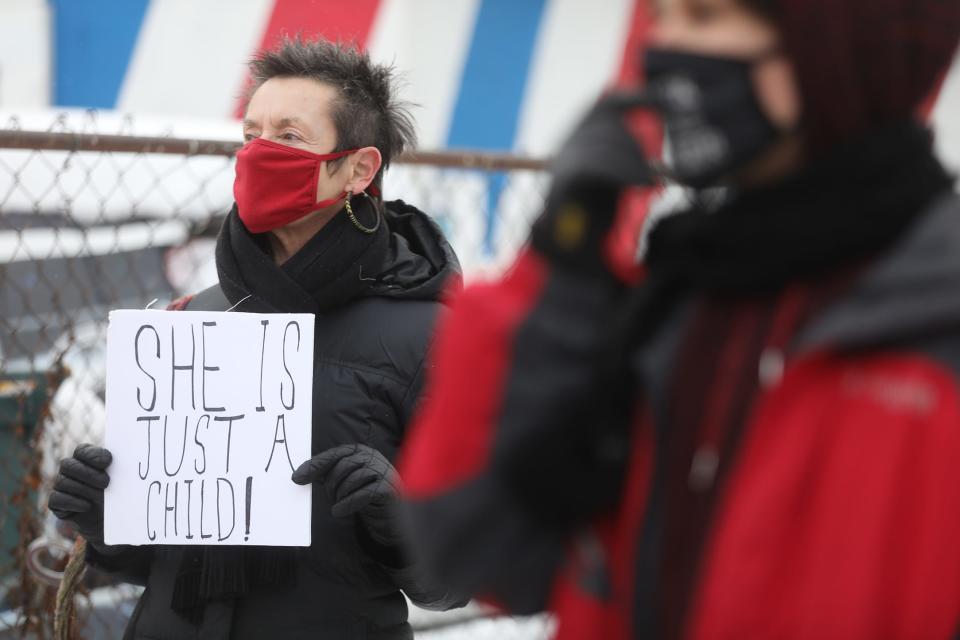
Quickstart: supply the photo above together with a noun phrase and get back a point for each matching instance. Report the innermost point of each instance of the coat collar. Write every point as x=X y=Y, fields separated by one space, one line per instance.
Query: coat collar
x=911 y=291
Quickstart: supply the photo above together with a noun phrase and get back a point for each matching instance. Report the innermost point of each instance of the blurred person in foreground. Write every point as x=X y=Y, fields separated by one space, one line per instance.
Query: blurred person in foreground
x=759 y=439
x=309 y=234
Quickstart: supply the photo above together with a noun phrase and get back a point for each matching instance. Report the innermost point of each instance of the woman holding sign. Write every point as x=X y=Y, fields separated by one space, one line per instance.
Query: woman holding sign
x=309 y=234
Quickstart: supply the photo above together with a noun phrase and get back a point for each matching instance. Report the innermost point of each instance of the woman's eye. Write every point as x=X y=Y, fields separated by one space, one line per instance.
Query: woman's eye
x=289 y=136
x=247 y=137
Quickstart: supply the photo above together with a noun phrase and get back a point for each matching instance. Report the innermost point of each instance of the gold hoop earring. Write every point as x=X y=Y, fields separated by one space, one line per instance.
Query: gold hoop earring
x=353 y=218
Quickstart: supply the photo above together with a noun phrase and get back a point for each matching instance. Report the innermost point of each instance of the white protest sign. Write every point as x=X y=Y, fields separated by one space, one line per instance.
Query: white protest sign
x=208 y=413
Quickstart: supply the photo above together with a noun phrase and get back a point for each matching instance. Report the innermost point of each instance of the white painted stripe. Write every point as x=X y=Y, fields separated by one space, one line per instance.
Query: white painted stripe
x=578 y=54
x=946 y=118
x=190 y=57
x=25 y=54
x=428 y=42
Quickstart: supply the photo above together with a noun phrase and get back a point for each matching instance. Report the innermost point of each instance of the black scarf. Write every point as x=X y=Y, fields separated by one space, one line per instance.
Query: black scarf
x=338 y=264
x=842 y=209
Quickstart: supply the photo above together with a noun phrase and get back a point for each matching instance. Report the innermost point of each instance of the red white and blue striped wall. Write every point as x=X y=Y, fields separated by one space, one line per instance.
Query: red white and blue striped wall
x=489 y=74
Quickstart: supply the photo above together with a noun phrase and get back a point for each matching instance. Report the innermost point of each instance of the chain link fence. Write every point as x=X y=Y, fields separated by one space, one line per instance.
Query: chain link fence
x=99 y=212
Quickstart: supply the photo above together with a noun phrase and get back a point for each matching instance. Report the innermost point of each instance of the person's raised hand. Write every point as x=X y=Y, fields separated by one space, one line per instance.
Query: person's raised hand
x=602 y=157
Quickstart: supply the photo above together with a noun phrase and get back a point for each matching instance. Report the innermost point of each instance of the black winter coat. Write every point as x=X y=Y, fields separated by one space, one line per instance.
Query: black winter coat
x=375 y=299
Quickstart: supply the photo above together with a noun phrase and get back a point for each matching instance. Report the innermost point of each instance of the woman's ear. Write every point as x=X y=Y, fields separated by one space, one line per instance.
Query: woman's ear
x=365 y=167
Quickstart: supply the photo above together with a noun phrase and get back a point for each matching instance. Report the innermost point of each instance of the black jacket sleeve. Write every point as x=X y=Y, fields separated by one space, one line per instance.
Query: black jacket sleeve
x=126 y=563
x=410 y=575
x=403 y=566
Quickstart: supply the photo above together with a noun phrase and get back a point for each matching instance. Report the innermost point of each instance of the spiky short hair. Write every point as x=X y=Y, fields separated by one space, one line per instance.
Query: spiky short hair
x=366 y=112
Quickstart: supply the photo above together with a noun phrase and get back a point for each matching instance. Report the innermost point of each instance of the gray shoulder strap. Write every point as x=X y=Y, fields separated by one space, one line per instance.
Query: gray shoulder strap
x=210 y=299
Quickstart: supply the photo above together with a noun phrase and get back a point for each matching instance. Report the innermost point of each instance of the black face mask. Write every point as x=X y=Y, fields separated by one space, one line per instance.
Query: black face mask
x=714 y=123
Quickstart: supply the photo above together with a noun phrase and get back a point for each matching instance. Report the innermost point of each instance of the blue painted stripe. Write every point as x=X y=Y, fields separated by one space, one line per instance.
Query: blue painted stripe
x=492 y=87
x=495 y=74
x=93 y=41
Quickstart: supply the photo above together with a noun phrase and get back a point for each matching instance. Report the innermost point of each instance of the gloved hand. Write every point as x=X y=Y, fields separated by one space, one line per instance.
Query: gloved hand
x=77 y=494
x=601 y=158
x=359 y=481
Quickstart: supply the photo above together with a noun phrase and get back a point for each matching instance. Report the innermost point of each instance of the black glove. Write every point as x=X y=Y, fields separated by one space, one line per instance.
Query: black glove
x=601 y=158
x=359 y=481
x=77 y=495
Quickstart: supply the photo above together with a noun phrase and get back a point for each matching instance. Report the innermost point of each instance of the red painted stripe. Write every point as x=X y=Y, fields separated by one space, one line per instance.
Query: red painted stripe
x=641 y=22
x=334 y=20
x=630 y=74
x=635 y=204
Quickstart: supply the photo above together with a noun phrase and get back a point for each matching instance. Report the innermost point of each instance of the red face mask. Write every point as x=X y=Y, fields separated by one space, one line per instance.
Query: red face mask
x=277 y=184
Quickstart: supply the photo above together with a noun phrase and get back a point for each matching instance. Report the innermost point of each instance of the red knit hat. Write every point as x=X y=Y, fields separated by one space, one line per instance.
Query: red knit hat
x=864 y=63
